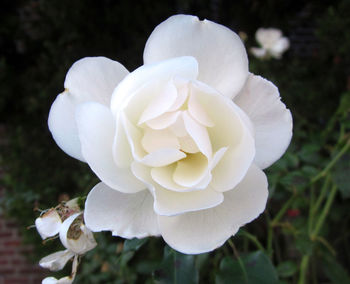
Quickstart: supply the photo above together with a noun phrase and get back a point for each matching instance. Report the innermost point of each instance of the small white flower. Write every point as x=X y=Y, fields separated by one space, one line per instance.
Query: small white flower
x=179 y=143
x=77 y=240
x=53 y=280
x=272 y=43
x=56 y=261
x=66 y=279
x=48 y=224
x=50 y=221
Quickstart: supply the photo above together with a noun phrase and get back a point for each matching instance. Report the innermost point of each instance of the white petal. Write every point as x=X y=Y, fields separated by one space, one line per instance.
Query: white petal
x=164 y=177
x=178 y=127
x=121 y=148
x=154 y=140
x=199 y=134
x=167 y=202
x=96 y=130
x=186 y=67
x=63 y=127
x=164 y=120
x=197 y=111
x=219 y=51
x=53 y=280
x=162 y=157
x=83 y=242
x=279 y=47
x=94 y=79
x=272 y=121
x=267 y=37
x=48 y=224
x=258 y=52
x=217 y=157
x=126 y=215
x=170 y=203
x=232 y=129
x=204 y=183
x=64 y=230
x=191 y=170
x=160 y=104
x=56 y=261
x=182 y=92
x=49 y=280
x=203 y=231
x=134 y=136
x=188 y=145
x=233 y=166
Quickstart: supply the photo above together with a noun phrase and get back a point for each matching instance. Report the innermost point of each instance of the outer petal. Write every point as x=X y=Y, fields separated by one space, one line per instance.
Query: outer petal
x=94 y=79
x=56 y=261
x=63 y=127
x=170 y=203
x=203 y=231
x=48 y=224
x=89 y=79
x=126 y=215
x=220 y=52
x=186 y=67
x=96 y=131
x=272 y=121
x=83 y=243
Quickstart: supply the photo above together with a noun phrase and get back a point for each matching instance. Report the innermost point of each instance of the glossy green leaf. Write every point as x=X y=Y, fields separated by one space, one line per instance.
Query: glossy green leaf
x=176 y=268
x=258 y=270
x=341 y=175
x=287 y=269
x=134 y=244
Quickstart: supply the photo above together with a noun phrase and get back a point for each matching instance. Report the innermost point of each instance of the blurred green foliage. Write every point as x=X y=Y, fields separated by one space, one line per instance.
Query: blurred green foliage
x=303 y=236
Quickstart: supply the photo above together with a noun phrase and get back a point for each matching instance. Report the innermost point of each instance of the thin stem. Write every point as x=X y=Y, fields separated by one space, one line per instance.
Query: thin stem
x=324 y=212
x=283 y=210
x=322 y=194
x=326 y=244
x=331 y=163
x=315 y=206
x=253 y=239
x=303 y=269
x=312 y=202
x=269 y=235
x=241 y=264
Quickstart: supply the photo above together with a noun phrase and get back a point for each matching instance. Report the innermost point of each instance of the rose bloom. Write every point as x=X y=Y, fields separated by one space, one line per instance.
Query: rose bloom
x=180 y=143
x=272 y=43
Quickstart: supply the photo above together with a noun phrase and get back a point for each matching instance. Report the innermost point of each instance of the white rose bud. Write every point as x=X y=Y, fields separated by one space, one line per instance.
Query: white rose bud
x=48 y=224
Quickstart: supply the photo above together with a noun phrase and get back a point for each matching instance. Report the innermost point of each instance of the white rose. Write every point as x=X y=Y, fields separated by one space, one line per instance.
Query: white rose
x=272 y=43
x=180 y=143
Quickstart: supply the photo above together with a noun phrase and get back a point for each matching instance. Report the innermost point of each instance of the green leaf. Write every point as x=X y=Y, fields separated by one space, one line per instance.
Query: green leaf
x=334 y=270
x=341 y=175
x=134 y=244
x=304 y=244
x=296 y=178
x=176 y=268
x=258 y=266
x=287 y=269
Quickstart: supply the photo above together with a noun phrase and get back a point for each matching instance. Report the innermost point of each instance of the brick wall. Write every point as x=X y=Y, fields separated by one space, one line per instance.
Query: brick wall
x=14 y=266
